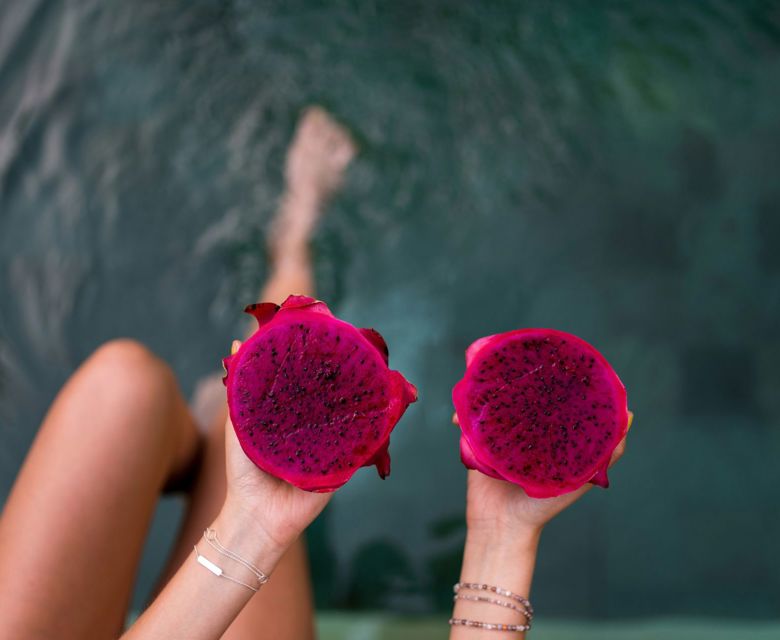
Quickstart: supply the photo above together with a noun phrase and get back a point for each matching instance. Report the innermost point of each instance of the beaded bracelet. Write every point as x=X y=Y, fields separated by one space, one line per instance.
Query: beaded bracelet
x=489 y=626
x=501 y=603
x=526 y=610
x=474 y=586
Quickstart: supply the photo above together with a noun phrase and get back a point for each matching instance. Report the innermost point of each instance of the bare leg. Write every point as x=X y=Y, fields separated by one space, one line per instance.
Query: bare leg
x=316 y=162
x=283 y=609
x=73 y=528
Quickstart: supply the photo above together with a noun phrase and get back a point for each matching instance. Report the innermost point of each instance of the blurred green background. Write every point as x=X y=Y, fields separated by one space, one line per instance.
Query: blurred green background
x=605 y=168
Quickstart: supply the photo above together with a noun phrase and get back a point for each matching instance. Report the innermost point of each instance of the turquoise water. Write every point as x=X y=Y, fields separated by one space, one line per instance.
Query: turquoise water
x=606 y=168
x=374 y=627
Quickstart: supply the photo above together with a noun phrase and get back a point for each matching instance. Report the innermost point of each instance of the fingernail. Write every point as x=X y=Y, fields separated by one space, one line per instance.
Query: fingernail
x=234 y=347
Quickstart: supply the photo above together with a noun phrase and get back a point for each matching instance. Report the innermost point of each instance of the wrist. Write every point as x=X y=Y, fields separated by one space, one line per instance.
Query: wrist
x=498 y=535
x=242 y=533
x=503 y=557
x=494 y=548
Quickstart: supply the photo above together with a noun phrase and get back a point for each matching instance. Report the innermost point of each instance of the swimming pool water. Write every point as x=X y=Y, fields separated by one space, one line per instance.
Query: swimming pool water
x=608 y=169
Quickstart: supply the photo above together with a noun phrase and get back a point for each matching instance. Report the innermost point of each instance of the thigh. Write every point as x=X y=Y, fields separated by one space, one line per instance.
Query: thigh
x=72 y=530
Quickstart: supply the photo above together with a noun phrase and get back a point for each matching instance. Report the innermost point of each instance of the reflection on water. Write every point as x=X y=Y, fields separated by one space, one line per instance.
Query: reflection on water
x=609 y=171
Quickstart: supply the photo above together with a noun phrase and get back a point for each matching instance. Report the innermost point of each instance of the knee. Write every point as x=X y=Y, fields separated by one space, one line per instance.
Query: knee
x=126 y=369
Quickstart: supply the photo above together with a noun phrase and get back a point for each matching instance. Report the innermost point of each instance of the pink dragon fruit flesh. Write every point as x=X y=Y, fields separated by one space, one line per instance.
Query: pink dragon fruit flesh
x=540 y=408
x=311 y=397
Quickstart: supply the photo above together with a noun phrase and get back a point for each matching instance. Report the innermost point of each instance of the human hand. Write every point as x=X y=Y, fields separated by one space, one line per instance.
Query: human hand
x=496 y=505
x=504 y=526
x=277 y=508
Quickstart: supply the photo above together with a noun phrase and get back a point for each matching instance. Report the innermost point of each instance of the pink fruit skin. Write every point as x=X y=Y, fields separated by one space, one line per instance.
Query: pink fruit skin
x=478 y=397
x=390 y=397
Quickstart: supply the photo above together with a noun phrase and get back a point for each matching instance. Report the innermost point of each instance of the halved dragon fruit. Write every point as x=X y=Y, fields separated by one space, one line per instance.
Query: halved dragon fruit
x=311 y=397
x=540 y=408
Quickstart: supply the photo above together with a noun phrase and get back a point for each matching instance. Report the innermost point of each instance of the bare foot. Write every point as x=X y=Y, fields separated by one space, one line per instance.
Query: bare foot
x=318 y=155
x=316 y=161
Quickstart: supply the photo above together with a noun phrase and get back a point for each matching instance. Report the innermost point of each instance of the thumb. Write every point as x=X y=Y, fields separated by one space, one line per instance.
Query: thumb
x=231 y=440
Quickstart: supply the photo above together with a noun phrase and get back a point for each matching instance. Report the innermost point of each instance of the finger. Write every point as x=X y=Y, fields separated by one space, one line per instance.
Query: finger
x=618 y=452
x=616 y=455
x=621 y=448
x=573 y=496
x=567 y=499
x=231 y=440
